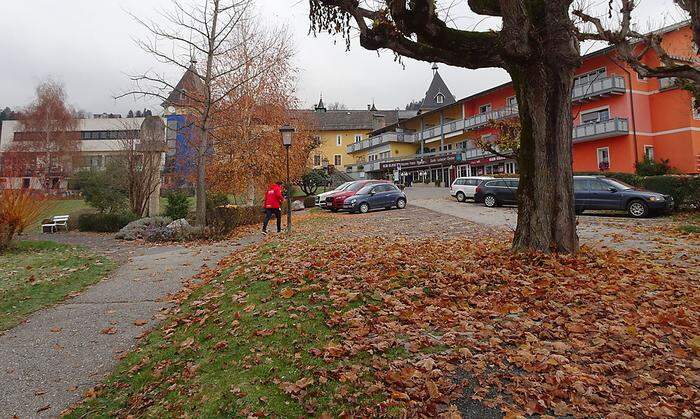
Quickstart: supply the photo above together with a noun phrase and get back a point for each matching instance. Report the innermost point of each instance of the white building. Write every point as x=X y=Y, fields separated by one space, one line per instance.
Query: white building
x=99 y=140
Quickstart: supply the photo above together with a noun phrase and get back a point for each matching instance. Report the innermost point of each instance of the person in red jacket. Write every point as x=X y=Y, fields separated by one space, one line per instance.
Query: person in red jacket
x=273 y=202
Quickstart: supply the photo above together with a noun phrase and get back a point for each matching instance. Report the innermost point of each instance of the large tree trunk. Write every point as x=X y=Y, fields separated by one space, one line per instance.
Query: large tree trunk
x=544 y=58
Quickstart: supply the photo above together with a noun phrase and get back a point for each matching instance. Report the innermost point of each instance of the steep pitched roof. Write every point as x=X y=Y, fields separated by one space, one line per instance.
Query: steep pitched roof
x=437 y=87
x=190 y=82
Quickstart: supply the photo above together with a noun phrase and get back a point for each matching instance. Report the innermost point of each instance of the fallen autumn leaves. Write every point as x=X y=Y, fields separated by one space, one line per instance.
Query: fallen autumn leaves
x=396 y=326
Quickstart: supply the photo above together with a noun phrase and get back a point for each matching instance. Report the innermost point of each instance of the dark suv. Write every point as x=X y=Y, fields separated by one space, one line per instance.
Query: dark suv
x=601 y=193
x=497 y=192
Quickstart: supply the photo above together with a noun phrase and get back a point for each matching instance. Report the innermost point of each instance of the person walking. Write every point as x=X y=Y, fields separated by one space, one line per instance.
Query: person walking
x=273 y=202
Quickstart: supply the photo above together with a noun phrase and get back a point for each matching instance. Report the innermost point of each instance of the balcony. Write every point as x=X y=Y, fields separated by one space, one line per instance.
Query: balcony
x=668 y=83
x=448 y=127
x=478 y=121
x=598 y=130
x=384 y=138
x=606 y=86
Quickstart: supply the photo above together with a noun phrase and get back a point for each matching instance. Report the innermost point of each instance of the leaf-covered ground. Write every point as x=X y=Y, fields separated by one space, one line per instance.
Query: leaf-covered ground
x=34 y=275
x=414 y=313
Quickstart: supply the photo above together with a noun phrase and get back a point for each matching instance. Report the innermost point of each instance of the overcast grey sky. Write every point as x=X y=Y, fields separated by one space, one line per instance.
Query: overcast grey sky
x=88 y=45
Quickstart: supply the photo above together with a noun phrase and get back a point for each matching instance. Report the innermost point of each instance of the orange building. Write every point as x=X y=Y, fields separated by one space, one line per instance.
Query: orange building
x=619 y=119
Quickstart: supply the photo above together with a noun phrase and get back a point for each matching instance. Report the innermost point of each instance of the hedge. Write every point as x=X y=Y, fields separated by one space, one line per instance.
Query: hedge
x=104 y=223
x=223 y=220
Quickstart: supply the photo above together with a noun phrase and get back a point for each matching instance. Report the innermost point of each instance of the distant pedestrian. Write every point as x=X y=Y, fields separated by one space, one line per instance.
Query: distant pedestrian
x=273 y=202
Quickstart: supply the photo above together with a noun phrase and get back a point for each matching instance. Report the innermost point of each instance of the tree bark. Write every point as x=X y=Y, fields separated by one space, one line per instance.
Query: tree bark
x=201 y=189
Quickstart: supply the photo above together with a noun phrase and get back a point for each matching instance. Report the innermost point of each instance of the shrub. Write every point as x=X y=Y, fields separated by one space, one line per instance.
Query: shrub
x=103 y=191
x=223 y=220
x=139 y=229
x=652 y=168
x=18 y=209
x=177 y=205
x=216 y=199
x=312 y=180
x=104 y=222
x=685 y=190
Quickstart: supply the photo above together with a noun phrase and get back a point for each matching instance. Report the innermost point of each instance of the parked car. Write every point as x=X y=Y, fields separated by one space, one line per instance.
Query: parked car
x=601 y=193
x=496 y=192
x=335 y=201
x=375 y=196
x=321 y=198
x=465 y=187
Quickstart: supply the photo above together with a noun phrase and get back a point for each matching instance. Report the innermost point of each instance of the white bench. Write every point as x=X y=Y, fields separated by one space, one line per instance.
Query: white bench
x=56 y=222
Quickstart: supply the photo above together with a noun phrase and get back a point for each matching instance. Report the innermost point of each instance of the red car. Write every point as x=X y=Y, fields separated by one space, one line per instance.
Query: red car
x=335 y=201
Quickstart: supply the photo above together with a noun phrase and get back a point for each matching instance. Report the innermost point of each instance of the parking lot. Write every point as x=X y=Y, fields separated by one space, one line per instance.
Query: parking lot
x=596 y=229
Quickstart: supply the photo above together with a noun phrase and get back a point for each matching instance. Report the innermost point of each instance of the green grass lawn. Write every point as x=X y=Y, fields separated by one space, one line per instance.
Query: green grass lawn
x=34 y=275
x=250 y=356
x=58 y=207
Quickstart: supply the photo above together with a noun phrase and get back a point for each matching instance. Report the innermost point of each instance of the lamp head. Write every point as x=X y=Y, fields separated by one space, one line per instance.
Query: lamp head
x=287 y=132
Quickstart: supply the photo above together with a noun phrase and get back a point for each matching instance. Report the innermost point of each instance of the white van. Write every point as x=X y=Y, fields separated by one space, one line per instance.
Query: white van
x=464 y=187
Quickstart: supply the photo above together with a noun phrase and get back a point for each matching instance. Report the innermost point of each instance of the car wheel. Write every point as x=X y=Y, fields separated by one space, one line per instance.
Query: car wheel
x=461 y=197
x=638 y=209
x=490 y=201
x=364 y=208
x=401 y=203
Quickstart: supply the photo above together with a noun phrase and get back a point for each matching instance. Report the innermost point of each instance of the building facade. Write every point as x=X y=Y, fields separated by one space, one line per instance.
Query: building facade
x=619 y=120
x=97 y=140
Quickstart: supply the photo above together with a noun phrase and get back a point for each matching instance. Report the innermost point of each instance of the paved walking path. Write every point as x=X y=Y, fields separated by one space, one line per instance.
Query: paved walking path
x=48 y=362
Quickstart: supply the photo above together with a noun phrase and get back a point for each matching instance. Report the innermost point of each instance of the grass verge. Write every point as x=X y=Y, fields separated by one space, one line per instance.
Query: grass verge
x=34 y=275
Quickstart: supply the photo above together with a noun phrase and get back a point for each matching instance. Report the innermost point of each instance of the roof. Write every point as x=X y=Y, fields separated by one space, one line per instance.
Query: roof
x=190 y=82
x=342 y=120
x=437 y=87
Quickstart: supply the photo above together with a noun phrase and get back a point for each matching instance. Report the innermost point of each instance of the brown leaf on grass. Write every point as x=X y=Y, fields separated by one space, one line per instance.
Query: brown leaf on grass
x=287 y=293
x=56 y=329
x=264 y=332
x=187 y=343
x=140 y=322
x=433 y=391
x=221 y=345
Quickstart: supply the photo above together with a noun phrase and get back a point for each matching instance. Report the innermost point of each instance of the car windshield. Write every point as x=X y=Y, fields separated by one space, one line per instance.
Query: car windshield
x=343 y=187
x=365 y=190
x=356 y=186
x=617 y=184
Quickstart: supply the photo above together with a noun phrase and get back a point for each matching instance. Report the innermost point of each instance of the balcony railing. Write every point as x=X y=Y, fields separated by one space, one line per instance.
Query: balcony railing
x=482 y=119
x=667 y=83
x=612 y=85
x=448 y=128
x=603 y=129
x=386 y=137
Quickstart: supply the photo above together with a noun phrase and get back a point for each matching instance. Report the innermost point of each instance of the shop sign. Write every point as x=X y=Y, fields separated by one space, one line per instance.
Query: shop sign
x=426 y=161
x=486 y=160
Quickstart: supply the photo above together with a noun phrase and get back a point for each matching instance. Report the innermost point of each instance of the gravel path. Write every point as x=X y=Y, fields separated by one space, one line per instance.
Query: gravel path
x=48 y=362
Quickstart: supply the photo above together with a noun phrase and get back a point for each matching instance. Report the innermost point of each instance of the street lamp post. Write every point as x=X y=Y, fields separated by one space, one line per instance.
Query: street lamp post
x=287 y=132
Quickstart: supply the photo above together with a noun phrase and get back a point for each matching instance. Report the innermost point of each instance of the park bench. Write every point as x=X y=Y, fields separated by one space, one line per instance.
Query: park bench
x=54 y=223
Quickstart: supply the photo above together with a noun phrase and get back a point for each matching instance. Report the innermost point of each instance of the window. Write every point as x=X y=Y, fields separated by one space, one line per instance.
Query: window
x=338 y=160
x=358 y=138
x=339 y=140
x=649 y=152
x=696 y=108
x=597 y=185
x=484 y=108
x=603 y=158
x=511 y=167
x=601 y=115
x=113 y=135
x=512 y=102
x=26 y=183
x=440 y=98
x=590 y=77
x=580 y=185
x=317 y=160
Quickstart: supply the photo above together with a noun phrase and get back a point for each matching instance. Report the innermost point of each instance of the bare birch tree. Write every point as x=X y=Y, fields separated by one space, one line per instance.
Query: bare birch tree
x=198 y=40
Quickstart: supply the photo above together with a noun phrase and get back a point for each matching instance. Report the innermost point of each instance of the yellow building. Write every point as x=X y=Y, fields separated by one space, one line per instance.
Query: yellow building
x=339 y=130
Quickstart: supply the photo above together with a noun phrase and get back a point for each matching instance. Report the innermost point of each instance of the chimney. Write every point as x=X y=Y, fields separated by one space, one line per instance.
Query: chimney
x=378 y=121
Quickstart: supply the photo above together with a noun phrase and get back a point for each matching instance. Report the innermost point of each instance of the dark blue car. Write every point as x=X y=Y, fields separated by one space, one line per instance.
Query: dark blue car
x=376 y=196
x=601 y=193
